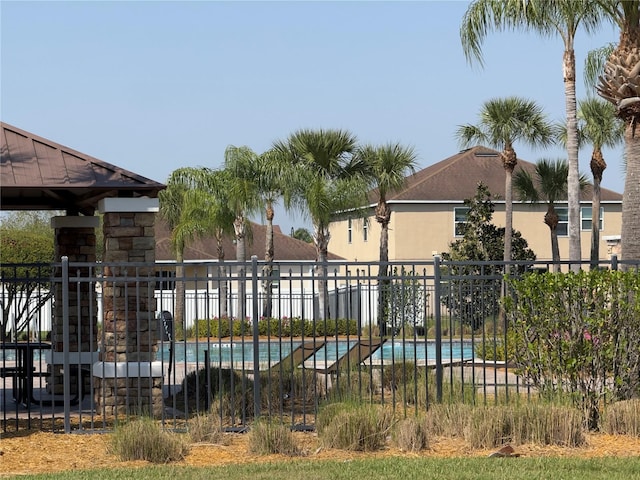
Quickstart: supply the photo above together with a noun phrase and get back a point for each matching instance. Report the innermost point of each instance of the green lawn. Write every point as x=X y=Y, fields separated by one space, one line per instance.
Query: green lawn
x=387 y=469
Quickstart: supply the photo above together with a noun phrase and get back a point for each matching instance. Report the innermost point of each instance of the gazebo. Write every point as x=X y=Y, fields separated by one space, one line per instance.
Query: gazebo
x=38 y=174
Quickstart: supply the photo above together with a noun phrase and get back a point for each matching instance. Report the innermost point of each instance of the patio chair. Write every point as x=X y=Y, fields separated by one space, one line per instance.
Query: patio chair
x=357 y=354
x=298 y=355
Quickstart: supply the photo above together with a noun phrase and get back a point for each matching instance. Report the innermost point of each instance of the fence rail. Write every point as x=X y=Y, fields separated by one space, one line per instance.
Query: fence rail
x=241 y=344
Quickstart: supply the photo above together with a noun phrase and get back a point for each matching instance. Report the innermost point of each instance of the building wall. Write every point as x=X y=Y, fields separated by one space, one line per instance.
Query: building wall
x=418 y=231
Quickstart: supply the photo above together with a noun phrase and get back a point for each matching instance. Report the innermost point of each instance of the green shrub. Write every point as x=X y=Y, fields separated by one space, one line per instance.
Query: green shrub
x=410 y=434
x=267 y=437
x=350 y=426
x=144 y=439
x=578 y=333
x=226 y=391
x=219 y=328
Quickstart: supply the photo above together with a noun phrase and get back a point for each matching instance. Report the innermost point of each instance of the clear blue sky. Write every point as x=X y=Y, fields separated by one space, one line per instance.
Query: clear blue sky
x=153 y=86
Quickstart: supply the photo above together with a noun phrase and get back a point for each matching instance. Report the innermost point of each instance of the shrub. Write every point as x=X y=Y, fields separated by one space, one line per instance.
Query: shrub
x=545 y=424
x=267 y=437
x=206 y=428
x=144 y=439
x=351 y=426
x=410 y=434
x=226 y=390
x=578 y=333
x=219 y=328
x=622 y=418
x=351 y=384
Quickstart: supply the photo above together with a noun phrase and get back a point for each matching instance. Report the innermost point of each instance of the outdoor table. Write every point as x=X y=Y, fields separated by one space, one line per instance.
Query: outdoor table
x=24 y=371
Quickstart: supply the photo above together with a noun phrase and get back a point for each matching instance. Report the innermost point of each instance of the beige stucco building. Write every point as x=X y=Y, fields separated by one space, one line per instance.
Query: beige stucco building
x=426 y=211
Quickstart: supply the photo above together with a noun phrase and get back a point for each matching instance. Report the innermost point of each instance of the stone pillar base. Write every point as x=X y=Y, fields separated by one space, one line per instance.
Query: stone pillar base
x=128 y=388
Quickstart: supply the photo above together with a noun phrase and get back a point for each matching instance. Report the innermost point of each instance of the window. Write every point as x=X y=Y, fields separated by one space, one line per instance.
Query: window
x=165 y=280
x=563 y=221
x=274 y=278
x=365 y=229
x=586 y=217
x=349 y=231
x=459 y=219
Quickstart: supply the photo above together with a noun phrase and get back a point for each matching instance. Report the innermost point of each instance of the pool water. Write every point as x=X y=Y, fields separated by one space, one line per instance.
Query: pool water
x=271 y=352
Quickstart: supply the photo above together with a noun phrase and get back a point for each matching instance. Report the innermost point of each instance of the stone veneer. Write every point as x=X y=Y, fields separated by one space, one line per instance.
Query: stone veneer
x=130 y=335
x=75 y=238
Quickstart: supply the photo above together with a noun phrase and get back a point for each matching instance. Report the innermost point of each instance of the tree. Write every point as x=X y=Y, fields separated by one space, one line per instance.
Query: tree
x=474 y=288
x=171 y=202
x=204 y=211
x=547 y=18
x=387 y=165
x=325 y=178
x=549 y=184
x=271 y=188
x=302 y=234
x=620 y=85
x=503 y=122
x=26 y=250
x=599 y=127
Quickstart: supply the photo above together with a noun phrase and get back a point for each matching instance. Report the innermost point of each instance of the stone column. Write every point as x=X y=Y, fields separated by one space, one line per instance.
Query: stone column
x=128 y=379
x=75 y=237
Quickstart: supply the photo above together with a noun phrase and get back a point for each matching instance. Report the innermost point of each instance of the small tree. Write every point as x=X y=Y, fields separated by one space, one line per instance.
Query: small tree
x=578 y=334
x=407 y=299
x=26 y=250
x=475 y=274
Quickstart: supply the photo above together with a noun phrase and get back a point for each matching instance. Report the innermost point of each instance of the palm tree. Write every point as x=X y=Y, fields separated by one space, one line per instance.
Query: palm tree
x=599 y=127
x=388 y=166
x=325 y=178
x=503 y=122
x=549 y=184
x=269 y=174
x=620 y=85
x=206 y=211
x=171 y=206
x=547 y=18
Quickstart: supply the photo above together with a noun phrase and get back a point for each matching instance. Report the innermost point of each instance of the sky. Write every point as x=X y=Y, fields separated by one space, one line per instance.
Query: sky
x=152 y=86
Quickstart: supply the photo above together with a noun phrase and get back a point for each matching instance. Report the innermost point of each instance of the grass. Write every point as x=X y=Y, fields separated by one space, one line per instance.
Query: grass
x=384 y=468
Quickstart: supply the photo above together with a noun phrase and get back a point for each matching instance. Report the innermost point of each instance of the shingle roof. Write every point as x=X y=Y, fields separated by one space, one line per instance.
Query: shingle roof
x=285 y=246
x=456 y=178
x=38 y=174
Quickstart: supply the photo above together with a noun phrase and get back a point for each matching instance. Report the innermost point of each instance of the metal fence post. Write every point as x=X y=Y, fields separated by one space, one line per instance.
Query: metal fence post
x=256 y=336
x=66 y=338
x=438 y=318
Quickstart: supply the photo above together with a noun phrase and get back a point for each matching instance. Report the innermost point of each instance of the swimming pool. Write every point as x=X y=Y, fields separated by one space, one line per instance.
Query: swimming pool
x=271 y=352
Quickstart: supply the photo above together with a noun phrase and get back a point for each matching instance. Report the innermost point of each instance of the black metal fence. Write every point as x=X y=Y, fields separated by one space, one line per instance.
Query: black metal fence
x=242 y=340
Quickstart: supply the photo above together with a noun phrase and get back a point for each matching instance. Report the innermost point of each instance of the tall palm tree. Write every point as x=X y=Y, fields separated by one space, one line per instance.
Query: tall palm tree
x=549 y=184
x=325 y=178
x=503 y=122
x=269 y=174
x=171 y=207
x=206 y=211
x=547 y=18
x=599 y=127
x=620 y=85
x=388 y=165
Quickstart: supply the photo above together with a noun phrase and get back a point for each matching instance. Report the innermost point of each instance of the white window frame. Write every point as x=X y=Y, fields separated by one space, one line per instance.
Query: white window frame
x=563 y=221
x=349 y=231
x=589 y=218
x=365 y=229
x=457 y=215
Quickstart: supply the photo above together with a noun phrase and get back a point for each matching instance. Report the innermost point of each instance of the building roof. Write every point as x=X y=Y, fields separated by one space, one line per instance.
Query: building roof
x=456 y=178
x=38 y=174
x=286 y=248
